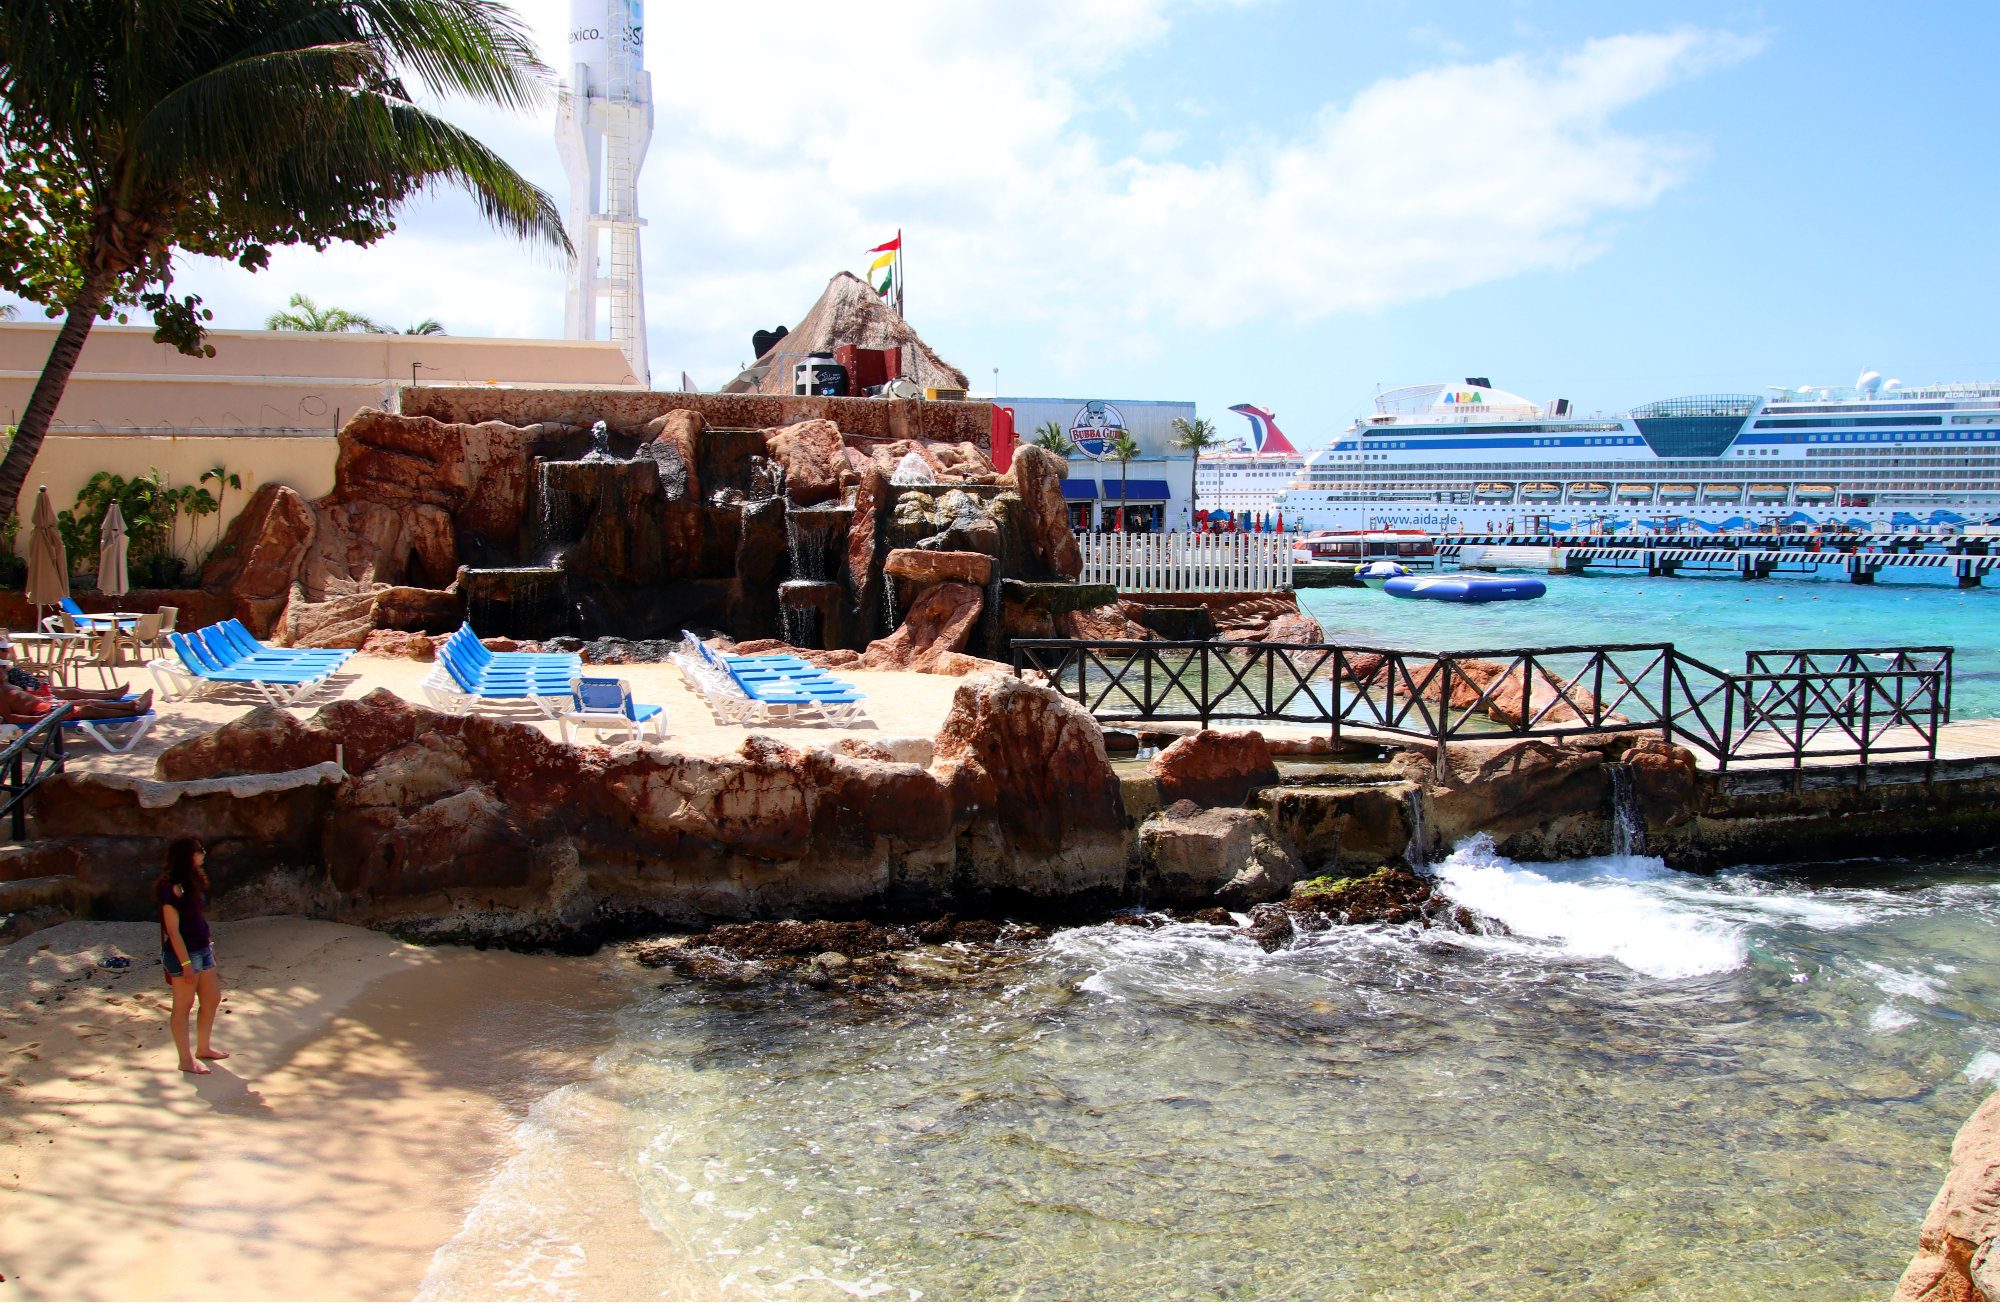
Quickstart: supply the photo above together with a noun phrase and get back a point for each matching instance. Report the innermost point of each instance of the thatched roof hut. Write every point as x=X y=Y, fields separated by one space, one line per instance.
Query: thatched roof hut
x=848 y=313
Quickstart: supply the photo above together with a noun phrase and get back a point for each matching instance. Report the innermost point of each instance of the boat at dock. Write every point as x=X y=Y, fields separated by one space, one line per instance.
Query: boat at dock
x=1469 y=458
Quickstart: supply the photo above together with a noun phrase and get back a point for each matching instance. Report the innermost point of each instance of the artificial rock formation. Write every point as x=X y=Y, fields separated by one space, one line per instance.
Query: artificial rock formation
x=1036 y=476
x=1214 y=767
x=940 y=623
x=814 y=460
x=469 y=826
x=922 y=567
x=1200 y=856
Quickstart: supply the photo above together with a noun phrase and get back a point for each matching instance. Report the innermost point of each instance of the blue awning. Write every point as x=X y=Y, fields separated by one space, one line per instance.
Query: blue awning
x=1138 y=491
x=1079 y=491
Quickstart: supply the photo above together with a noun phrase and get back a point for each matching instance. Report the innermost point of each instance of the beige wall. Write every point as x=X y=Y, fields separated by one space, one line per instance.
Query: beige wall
x=267 y=406
x=67 y=461
x=275 y=380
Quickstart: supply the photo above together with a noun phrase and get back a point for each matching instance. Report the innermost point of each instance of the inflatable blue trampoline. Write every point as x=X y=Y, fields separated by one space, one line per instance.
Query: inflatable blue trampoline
x=1465 y=588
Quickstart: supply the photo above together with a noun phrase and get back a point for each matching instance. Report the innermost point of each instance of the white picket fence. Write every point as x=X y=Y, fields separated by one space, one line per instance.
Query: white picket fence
x=1188 y=563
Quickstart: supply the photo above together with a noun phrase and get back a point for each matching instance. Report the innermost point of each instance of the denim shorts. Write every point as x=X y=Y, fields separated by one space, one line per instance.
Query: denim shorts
x=200 y=961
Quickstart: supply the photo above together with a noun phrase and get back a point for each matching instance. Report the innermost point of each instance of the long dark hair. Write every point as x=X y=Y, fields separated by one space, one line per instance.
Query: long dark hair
x=181 y=870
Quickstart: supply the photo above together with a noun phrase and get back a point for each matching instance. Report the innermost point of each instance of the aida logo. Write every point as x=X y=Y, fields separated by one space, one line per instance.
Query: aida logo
x=1465 y=397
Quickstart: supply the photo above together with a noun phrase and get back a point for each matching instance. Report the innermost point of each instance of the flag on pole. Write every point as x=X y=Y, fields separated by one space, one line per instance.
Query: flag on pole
x=888 y=261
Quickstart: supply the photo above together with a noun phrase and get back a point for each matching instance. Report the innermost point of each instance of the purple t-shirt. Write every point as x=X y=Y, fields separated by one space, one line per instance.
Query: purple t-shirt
x=194 y=924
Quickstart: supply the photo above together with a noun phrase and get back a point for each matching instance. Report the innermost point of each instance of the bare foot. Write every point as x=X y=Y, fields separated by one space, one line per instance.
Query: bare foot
x=196 y=1069
x=211 y=1054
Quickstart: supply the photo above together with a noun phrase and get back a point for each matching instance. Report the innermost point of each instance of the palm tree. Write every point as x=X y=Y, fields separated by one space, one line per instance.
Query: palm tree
x=1049 y=435
x=1197 y=436
x=1122 y=448
x=9 y=311
x=305 y=315
x=229 y=128
x=428 y=326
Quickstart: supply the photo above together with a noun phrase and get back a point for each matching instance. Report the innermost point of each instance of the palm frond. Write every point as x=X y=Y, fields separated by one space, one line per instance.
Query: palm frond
x=252 y=110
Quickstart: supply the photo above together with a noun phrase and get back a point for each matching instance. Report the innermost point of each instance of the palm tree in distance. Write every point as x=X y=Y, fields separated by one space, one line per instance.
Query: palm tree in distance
x=1197 y=437
x=228 y=129
x=305 y=315
x=428 y=326
x=1050 y=435
x=1122 y=449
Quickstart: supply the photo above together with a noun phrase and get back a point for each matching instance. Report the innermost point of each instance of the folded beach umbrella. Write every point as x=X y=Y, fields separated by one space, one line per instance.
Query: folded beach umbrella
x=48 y=569
x=112 y=577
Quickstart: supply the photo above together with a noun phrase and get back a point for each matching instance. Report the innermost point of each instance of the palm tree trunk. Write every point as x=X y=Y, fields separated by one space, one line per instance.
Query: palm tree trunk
x=41 y=409
x=1194 y=494
x=1123 y=467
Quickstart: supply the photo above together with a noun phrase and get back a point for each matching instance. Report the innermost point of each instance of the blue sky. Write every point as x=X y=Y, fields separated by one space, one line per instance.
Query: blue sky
x=1284 y=203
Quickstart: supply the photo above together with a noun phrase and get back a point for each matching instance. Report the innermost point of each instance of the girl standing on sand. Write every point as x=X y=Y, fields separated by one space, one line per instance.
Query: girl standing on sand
x=185 y=949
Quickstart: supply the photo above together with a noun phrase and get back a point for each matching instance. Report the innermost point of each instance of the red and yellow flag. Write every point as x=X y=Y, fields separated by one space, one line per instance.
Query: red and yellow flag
x=886 y=254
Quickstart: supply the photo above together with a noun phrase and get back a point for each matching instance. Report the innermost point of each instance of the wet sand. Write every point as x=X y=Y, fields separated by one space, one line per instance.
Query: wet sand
x=372 y=1093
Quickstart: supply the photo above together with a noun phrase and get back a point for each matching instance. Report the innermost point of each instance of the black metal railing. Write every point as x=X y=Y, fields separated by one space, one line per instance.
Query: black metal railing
x=25 y=762
x=1860 y=704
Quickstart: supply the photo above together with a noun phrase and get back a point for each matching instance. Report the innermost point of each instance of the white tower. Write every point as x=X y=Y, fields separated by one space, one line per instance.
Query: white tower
x=603 y=125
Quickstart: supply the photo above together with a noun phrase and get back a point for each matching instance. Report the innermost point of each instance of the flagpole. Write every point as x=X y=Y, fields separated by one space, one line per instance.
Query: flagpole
x=899 y=272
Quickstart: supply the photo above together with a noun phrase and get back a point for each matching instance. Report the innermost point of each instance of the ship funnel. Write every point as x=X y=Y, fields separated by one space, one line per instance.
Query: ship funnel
x=1870 y=384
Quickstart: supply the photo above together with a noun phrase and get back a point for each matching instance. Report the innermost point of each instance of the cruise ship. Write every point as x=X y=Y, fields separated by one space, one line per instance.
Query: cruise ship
x=1472 y=458
x=1249 y=473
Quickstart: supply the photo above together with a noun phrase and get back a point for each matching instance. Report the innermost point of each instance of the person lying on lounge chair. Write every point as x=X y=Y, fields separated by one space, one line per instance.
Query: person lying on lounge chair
x=18 y=706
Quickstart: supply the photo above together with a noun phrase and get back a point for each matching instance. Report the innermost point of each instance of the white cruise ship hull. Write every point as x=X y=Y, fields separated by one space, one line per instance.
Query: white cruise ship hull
x=1481 y=461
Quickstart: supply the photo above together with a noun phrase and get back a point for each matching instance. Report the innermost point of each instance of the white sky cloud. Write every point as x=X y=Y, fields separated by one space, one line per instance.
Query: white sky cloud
x=786 y=144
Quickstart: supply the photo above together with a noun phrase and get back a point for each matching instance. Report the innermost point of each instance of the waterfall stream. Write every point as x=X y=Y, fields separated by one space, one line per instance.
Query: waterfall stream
x=1628 y=826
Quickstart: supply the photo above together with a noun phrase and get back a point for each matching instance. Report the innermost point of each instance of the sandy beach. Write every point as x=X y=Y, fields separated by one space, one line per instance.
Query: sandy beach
x=373 y=1090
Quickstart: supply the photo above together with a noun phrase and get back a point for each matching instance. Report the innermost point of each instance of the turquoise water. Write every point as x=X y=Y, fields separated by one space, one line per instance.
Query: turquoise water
x=1650 y=1085
x=1717 y=620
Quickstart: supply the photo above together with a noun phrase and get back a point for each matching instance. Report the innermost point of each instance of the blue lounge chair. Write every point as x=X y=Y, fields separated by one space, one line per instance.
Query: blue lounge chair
x=118 y=733
x=198 y=674
x=605 y=705
x=237 y=636
x=832 y=700
x=760 y=661
x=232 y=654
x=456 y=685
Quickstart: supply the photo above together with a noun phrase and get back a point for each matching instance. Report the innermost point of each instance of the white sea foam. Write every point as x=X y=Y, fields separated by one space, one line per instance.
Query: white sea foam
x=1613 y=907
x=1888 y=1018
x=1985 y=1067
x=1905 y=982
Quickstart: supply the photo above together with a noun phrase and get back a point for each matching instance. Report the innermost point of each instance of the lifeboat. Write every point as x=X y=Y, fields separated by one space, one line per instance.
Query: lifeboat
x=1589 y=491
x=1722 y=493
x=1768 y=493
x=1635 y=493
x=1677 y=493
x=1493 y=491
x=1541 y=491
x=1815 y=493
